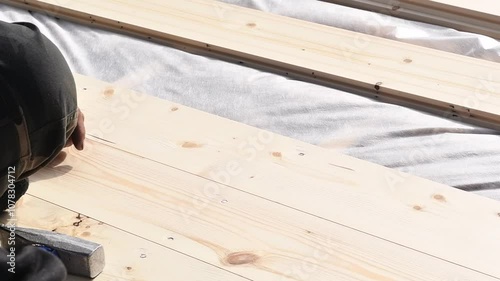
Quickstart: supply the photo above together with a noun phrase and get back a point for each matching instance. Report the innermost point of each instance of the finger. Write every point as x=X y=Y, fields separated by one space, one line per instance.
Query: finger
x=69 y=142
x=78 y=136
x=77 y=141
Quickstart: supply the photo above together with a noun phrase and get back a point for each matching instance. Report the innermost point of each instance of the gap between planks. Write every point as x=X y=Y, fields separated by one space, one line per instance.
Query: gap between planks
x=382 y=202
x=128 y=256
x=241 y=233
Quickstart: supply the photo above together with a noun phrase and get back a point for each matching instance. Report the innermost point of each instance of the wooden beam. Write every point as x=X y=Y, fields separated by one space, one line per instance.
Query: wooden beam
x=454 y=85
x=128 y=257
x=482 y=16
x=247 y=235
x=153 y=167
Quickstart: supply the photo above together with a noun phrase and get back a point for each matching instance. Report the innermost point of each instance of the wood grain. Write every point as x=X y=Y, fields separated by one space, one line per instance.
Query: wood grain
x=394 y=206
x=245 y=234
x=488 y=8
x=457 y=86
x=482 y=17
x=128 y=257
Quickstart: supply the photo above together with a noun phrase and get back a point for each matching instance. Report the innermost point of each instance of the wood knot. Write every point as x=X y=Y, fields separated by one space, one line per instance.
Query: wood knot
x=408 y=60
x=109 y=92
x=277 y=154
x=175 y=108
x=439 y=198
x=377 y=85
x=251 y=24
x=417 y=208
x=240 y=258
x=191 y=145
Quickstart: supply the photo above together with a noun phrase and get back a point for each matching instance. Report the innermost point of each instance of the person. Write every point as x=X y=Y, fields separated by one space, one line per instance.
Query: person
x=39 y=116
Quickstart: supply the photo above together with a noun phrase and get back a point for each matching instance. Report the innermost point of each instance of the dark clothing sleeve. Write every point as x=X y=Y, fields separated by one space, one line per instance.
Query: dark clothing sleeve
x=31 y=264
x=38 y=113
x=38 y=99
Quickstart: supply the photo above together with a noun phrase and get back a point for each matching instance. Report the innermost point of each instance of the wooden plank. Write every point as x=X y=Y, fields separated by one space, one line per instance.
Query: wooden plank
x=482 y=16
x=242 y=233
x=486 y=7
x=128 y=257
x=407 y=210
x=459 y=86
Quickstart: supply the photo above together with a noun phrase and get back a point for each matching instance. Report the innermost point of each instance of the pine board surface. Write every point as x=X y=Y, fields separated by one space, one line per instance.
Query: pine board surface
x=391 y=205
x=128 y=256
x=261 y=210
x=244 y=234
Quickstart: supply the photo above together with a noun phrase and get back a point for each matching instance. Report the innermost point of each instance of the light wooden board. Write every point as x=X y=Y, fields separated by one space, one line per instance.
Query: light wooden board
x=128 y=257
x=175 y=155
x=489 y=8
x=454 y=85
x=482 y=16
x=245 y=234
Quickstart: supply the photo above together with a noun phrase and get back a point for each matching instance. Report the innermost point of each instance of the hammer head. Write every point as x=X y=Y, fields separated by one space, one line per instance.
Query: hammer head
x=81 y=257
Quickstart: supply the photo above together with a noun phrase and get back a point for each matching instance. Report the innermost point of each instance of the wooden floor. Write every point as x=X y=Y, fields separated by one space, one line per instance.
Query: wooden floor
x=177 y=194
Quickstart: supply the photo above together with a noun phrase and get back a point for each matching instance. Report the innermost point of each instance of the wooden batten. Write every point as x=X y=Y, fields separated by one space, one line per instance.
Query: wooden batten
x=452 y=85
x=482 y=17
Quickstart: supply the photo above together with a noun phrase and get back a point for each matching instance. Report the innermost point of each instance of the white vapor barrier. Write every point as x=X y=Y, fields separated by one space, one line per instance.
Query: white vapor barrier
x=457 y=154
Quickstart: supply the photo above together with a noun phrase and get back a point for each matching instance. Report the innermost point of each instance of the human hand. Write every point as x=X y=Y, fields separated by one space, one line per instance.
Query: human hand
x=78 y=137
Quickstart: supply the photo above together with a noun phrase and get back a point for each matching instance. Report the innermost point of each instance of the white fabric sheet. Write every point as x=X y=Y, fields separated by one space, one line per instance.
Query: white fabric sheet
x=460 y=155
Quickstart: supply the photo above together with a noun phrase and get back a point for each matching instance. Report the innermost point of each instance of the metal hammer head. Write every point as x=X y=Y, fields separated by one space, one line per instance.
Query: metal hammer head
x=81 y=257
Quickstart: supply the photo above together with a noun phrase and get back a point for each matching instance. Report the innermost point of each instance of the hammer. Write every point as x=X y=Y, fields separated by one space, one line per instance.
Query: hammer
x=81 y=257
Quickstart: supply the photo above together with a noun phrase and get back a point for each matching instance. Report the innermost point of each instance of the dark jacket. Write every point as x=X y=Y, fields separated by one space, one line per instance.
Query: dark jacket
x=38 y=113
x=37 y=97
